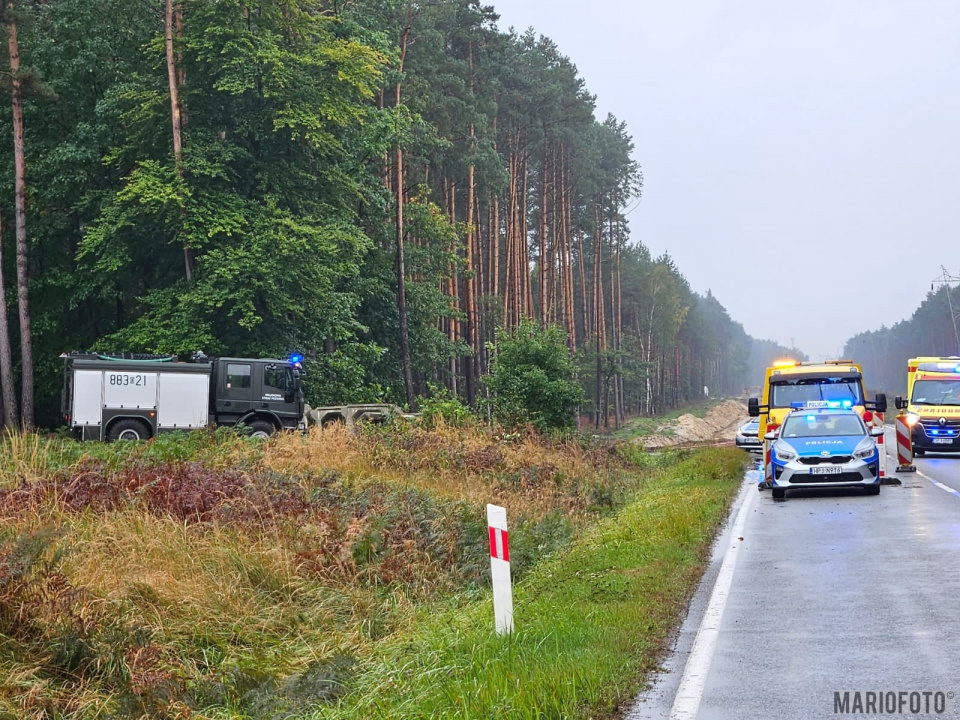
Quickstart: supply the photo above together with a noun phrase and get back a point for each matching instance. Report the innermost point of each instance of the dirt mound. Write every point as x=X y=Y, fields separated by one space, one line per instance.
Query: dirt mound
x=720 y=423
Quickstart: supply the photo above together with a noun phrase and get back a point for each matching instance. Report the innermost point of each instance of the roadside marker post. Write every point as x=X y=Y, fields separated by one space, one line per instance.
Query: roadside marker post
x=500 y=569
x=904 y=446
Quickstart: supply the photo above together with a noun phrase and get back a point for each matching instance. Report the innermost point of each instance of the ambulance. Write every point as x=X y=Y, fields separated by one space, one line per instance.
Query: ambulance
x=789 y=384
x=933 y=404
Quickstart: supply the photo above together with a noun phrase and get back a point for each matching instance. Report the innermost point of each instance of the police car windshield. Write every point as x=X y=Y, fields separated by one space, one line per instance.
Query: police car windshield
x=803 y=425
x=936 y=392
x=785 y=393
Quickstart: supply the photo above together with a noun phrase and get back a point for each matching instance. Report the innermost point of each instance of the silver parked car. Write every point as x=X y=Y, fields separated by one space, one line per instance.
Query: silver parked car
x=748 y=435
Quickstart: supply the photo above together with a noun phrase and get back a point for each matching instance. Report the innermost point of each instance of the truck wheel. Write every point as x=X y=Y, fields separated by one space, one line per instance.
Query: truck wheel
x=261 y=429
x=129 y=429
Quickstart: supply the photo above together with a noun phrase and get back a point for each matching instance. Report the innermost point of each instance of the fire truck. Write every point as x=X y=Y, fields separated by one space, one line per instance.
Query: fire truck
x=135 y=397
x=788 y=384
x=933 y=404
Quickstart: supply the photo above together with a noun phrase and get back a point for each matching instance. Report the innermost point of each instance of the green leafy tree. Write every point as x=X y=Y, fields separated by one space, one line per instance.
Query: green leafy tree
x=531 y=378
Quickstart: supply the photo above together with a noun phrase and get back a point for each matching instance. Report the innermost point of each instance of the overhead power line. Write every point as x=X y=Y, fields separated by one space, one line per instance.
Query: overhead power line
x=948 y=280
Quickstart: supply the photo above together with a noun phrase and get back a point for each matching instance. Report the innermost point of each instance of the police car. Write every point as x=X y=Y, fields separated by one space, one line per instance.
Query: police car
x=824 y=447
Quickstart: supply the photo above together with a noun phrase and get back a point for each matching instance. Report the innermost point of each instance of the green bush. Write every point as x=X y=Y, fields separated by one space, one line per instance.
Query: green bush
x=531 y=378
x=444 y=405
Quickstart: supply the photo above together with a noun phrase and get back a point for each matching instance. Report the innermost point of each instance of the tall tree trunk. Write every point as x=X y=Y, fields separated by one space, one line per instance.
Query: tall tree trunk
x=525 y=246
x=510 y=294
x=470 y=290
x=453 y=324
x=470 y=279
x=8 y=391
x=598 y=305
x=20 y=206
x=401 y=269
x=542 y=237
x=495 y=250
x=618 y=329
x=612 y=224
x=581 y=266
x=567 y=240
x=173 y=82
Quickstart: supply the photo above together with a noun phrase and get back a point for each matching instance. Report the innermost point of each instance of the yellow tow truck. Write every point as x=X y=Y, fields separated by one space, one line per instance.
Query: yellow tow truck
x=933 y=404
x=788 y=385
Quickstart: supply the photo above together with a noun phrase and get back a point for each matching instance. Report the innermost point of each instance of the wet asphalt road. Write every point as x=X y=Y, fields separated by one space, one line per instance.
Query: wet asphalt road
x=831 y=591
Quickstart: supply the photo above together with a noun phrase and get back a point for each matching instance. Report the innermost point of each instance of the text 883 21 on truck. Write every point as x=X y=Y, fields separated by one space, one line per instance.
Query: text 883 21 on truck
x=111 y=397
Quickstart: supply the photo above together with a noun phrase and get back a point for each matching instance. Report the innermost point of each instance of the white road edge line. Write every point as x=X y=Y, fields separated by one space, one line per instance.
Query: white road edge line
x=939 y=484
x=686 y=703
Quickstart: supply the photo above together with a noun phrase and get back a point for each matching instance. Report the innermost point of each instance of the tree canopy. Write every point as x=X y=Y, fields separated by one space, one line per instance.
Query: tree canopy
x=267 y=219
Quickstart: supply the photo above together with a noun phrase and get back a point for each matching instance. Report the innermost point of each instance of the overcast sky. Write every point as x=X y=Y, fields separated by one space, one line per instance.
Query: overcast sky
x=797 y=157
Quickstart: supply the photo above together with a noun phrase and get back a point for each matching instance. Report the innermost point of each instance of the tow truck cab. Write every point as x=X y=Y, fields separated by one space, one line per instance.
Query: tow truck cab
x=932 y=404
x=112 y=397
x=836 y=384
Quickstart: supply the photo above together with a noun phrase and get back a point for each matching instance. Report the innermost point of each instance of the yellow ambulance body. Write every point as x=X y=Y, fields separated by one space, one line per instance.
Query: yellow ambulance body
x=933 y=404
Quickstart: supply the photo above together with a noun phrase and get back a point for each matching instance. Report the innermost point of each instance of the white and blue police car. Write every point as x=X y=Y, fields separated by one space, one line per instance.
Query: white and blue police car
x=824 y=447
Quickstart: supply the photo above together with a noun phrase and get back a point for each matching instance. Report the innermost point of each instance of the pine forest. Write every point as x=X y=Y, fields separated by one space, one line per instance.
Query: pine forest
x=379 y=184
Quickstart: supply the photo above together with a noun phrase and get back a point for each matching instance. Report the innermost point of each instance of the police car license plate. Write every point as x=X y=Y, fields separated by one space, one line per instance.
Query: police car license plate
x=826 y=470
x=942 y=441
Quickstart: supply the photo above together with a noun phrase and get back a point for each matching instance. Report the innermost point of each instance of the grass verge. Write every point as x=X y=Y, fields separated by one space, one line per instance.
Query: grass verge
x=213 y=577
x=591 y=622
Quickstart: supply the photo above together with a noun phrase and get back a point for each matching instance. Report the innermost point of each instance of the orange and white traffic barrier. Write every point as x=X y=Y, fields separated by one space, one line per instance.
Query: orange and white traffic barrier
x=904 y=446
x=875 y=419
x=500 y=569
x=768 y=456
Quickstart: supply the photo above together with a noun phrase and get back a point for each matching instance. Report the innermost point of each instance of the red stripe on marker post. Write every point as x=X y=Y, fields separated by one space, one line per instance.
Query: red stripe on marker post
x=500 y=569
x=499 y=545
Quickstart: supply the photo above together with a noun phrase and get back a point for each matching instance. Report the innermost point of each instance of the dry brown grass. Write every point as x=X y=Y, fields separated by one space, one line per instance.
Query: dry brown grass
x=526 y=473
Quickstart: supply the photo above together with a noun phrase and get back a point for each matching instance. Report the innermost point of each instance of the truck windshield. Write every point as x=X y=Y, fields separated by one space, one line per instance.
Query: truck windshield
x=786 y=392
x=936 y=392
x=800 y=425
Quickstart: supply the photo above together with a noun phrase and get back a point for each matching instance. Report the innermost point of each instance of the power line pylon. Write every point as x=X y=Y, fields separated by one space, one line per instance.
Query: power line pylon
x=948 y=280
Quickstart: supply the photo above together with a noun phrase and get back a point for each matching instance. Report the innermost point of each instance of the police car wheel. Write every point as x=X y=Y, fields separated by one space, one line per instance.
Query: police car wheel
x=261 y=429
x=128 y=430
x=778 y=493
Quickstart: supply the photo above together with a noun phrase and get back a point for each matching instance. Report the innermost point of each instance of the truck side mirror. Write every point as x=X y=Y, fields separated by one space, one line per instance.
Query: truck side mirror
x=753 y=407
x=881 y=402
x=772 y=435
x=899 y=403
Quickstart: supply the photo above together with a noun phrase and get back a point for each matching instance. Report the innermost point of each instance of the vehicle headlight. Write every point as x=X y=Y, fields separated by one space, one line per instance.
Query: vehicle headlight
x=741 y=438
x=912 y=419
x=865 y=449
x=784 y=452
